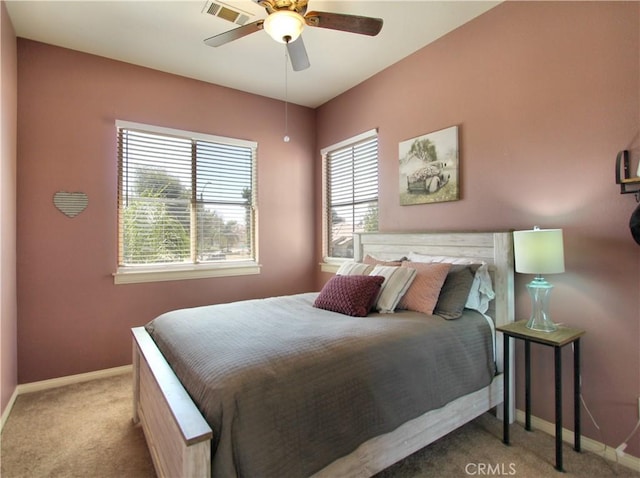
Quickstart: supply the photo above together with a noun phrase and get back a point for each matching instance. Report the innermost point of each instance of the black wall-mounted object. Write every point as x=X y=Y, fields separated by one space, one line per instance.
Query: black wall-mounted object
x=628 y=184
x=634 y=224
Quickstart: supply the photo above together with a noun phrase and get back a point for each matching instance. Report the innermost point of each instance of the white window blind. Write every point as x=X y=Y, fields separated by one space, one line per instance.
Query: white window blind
x=184 y=198
x=351 y=192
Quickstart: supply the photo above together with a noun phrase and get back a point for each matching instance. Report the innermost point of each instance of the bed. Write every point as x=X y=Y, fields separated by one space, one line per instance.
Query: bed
x=181 y=439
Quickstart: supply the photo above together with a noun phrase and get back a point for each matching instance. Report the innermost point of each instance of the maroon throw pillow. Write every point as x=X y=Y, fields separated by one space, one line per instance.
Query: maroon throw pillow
x=349 y=295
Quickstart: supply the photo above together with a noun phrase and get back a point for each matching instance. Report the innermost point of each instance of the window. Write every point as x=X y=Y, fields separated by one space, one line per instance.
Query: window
x=351 y=193
x=186 y=204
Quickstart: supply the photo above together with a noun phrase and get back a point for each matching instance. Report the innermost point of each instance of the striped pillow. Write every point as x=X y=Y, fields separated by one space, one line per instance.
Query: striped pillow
x=396 y=283
x=351 y=268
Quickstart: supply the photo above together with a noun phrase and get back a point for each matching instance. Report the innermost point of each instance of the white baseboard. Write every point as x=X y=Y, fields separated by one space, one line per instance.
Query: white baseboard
x=7 y=410
x=71 y=379
x=60 y=382
x=587 y=443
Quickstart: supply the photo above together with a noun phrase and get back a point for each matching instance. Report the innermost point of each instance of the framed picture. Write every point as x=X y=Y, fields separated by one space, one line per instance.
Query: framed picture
x=429 y=168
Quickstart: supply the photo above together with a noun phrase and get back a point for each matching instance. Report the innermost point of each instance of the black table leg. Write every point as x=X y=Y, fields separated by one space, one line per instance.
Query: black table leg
x=505 y=385
x=576 y=394
x=527 y=385
x=558 y=380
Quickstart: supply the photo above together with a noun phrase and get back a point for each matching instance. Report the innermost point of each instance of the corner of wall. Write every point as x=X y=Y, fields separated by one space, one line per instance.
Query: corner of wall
x=8 y=167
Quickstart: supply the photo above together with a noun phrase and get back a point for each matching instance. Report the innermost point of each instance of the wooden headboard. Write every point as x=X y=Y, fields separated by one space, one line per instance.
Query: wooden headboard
x=494 y=248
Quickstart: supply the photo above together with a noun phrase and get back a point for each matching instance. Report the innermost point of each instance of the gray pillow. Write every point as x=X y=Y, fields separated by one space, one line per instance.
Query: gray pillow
x=455 y=290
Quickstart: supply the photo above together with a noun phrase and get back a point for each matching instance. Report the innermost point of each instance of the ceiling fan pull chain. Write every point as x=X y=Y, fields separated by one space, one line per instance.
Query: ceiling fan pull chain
x=286 y=98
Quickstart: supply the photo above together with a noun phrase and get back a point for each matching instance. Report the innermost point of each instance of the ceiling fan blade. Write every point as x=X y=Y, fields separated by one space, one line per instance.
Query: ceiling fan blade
x=235 y=34
x=298 y=55
x=343 y=22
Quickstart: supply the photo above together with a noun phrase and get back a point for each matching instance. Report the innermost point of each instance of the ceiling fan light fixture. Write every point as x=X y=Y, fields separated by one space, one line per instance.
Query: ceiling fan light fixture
x=284 y=26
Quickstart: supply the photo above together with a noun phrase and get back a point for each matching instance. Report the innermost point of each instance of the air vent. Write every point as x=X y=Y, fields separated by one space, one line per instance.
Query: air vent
x=226 y=12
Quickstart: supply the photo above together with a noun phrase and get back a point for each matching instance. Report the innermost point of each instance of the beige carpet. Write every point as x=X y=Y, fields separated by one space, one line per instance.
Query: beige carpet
x=85 y=430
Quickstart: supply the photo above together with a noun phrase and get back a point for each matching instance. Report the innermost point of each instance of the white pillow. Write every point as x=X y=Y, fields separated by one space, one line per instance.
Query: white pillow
x=481 y=292
x=351 y=268
x=396 y=283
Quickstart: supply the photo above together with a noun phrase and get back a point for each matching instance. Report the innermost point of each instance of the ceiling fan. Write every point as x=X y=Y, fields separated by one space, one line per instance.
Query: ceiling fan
x=286 y=20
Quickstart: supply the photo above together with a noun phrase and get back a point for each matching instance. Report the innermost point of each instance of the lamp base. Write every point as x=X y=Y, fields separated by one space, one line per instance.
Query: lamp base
x=540 y=290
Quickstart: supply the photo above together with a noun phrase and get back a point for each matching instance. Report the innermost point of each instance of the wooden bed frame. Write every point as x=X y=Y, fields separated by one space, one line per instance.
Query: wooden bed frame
x=179 y=439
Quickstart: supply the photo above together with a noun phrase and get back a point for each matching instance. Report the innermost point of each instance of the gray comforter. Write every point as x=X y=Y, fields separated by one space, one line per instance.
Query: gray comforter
x=288 y=388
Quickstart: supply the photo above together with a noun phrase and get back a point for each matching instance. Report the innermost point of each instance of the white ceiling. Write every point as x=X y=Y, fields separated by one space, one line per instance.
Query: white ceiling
x=168 y=36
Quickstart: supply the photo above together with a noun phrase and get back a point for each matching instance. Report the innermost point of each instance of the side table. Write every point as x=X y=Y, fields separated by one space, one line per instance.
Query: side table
x=557 y=340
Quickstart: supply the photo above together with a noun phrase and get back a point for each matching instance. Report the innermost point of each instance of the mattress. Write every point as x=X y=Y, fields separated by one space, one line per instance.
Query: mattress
x=288 y=388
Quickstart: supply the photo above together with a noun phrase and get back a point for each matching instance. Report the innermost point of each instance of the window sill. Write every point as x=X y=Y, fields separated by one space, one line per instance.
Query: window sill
x=137 y=275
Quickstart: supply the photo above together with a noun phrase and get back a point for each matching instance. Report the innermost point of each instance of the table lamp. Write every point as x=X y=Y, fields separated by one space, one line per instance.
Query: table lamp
x=539 y=251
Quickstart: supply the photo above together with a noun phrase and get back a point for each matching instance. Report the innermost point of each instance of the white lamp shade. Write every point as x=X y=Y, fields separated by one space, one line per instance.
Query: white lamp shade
x=284 y=26
x=539 y=251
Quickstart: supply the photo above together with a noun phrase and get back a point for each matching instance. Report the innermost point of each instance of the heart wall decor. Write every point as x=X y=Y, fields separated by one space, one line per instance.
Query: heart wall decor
x=70 y=204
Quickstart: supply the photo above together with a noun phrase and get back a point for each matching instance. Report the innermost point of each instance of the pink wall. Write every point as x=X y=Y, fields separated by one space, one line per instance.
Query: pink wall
x=8 y=124
x=72 y=318
x=545 y=95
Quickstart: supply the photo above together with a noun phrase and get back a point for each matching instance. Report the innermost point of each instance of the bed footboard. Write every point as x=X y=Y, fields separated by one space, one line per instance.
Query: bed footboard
x=178 y=437
x=383 y=451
